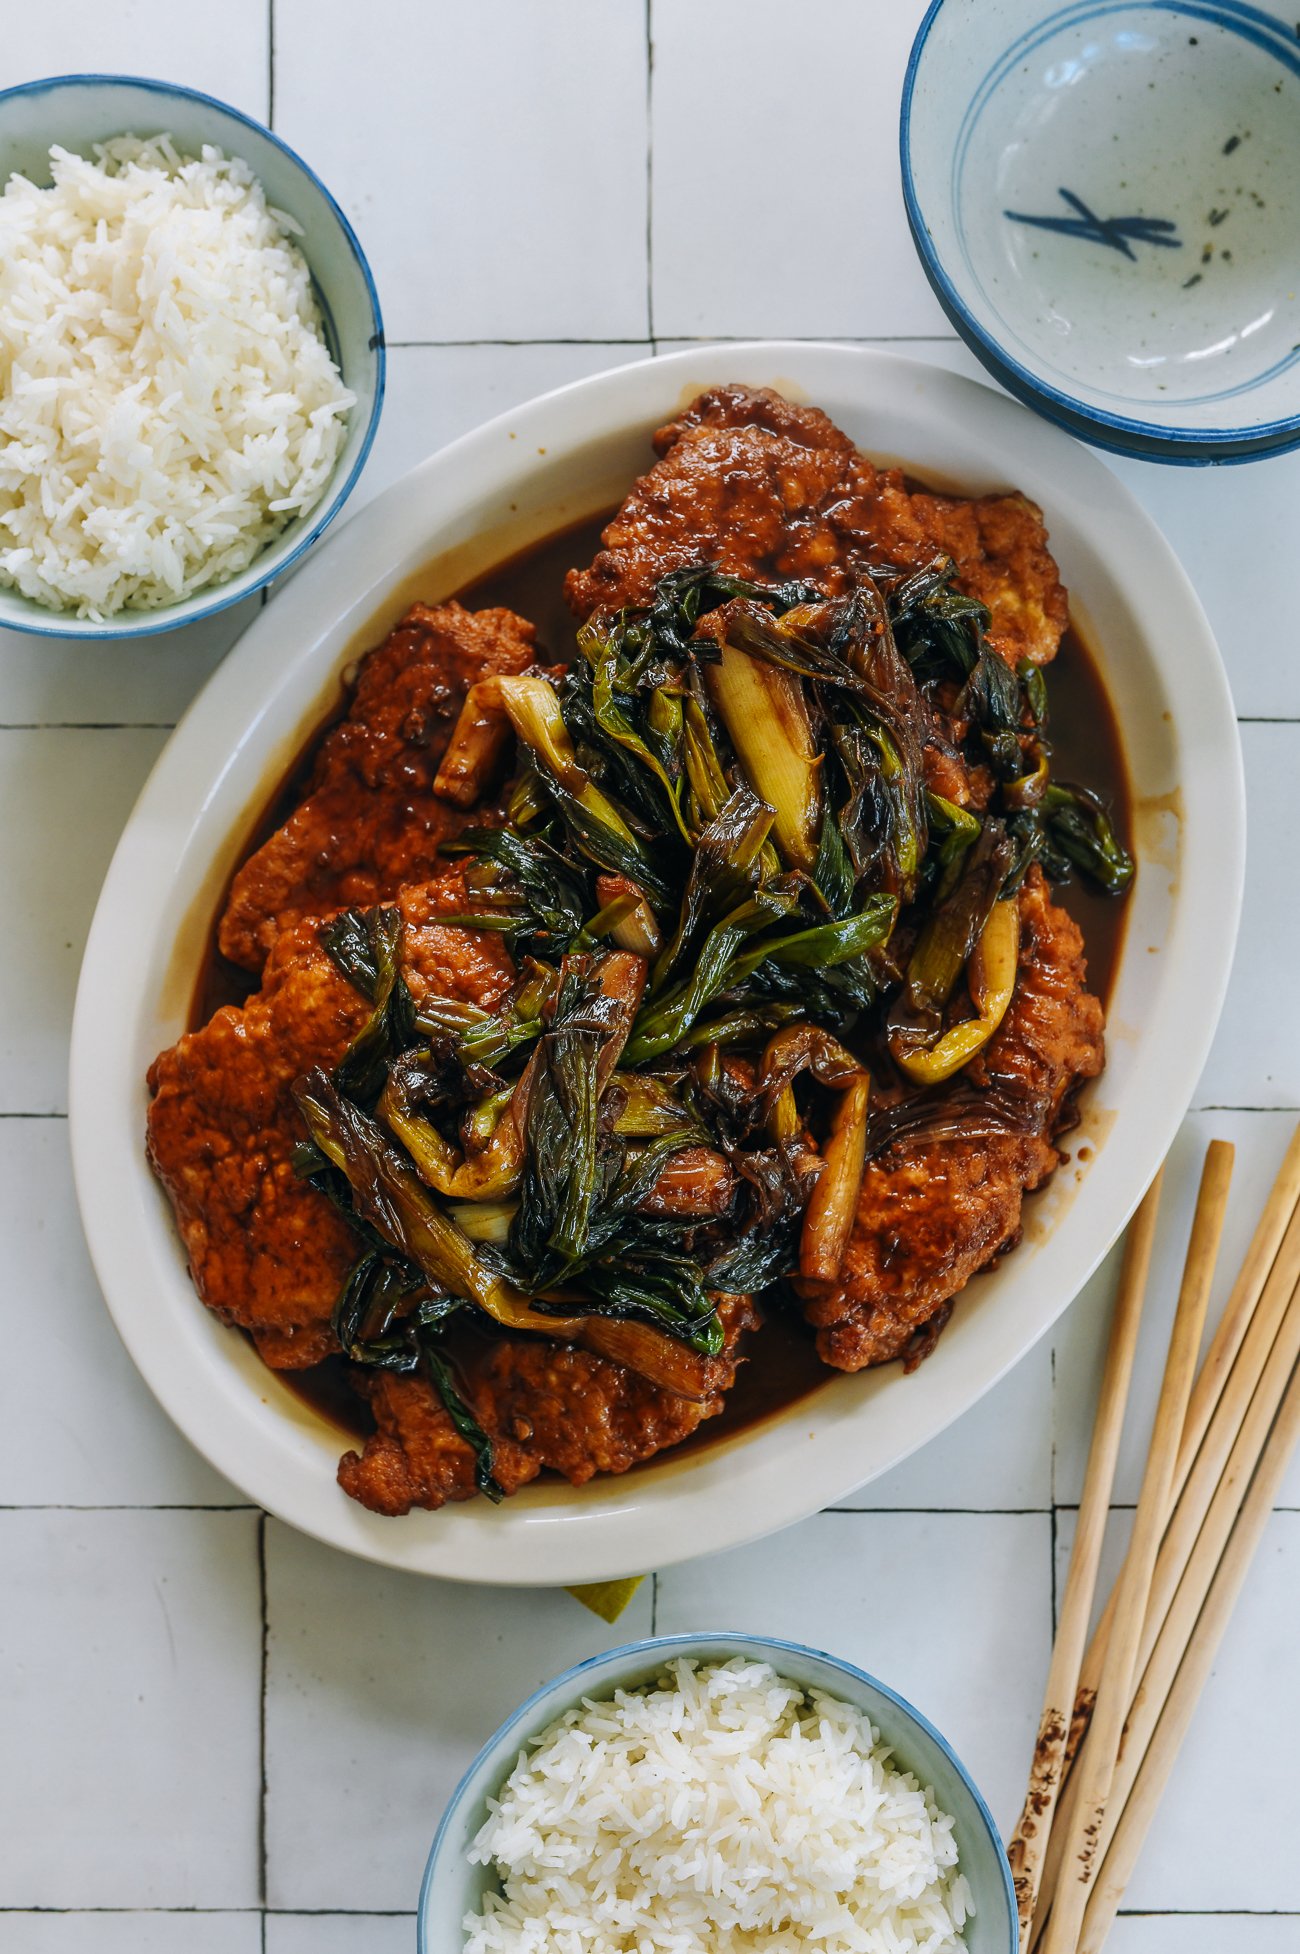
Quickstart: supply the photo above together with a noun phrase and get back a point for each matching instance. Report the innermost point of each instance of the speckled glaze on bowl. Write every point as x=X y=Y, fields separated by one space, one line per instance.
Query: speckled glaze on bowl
x=453 y=1887
x=76 y=111
x=1106 y=198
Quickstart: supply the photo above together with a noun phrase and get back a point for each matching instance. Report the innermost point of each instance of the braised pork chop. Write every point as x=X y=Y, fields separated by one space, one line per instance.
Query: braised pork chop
x=770 y=489
x=266 y=1251
x=542 y=1404
x=370 y=822
x=932 y=1213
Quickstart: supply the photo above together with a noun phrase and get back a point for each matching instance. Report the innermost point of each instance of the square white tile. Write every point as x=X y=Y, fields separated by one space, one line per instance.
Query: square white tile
x=340 y=1933
x=223 y=51
x=64 y=797
x=140 y=682
x=997 y=1455
x=436 y=393
x=1184 y=1933
x=776 y=204
x=396 y=1681
x=492 y=158
x=952 y=1610
x=130 y=1933
x=1256 y=1056
x=1260 y=1140
x=1210 y=1849
x=99 y=1439
x=129 y=1722
x=1232 y=529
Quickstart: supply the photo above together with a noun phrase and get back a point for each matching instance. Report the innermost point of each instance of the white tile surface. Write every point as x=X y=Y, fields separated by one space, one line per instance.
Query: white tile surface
x=398 y=1681
x=1256 y=1056
x=498 y=174
x=130 y=1933
x=436 y=393
x=130 y=1645
x=100 y=1439
x=340 y=1933
x=1208 y=1850
x=1260 y=1140
x=1181 y=1933
x=499 y=188
x=998 y=1455
x=222 y=51
x=1231 y=527
x=894 y=1593
x=64 y=797
x=145 y=682
x=777 y=208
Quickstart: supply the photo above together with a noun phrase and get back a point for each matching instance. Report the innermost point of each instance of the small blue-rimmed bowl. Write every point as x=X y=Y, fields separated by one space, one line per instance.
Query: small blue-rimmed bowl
x=454 y=1888
x=76 y=111
x=1106 y=199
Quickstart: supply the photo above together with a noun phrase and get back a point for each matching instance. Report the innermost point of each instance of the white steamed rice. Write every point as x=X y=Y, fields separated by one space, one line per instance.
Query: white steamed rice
x=724 y=1810
x=167 y=401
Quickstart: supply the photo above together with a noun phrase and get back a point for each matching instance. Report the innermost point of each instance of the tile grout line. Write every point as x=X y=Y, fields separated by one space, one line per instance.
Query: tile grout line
x=996 y=1512
x=859 y=1512
x=270 y=64
x=87 y=725
x=261 y=1724
x=686 y=339
x=408 y=1913
x=649 y=174
x=1055 y=1426
x=1053 y=1521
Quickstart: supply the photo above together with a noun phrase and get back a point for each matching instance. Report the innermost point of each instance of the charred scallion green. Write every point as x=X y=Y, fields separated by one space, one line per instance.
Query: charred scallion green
x=759 y=843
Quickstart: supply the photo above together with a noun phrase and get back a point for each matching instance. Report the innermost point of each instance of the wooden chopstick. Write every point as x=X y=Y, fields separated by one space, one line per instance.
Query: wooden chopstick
x=1255 y=1416
x=1097 y=1762
x=1029 y=1840
x=1201 y=1648
x=1258 y=1304
x=1239 y=1310
x=1247 y=1328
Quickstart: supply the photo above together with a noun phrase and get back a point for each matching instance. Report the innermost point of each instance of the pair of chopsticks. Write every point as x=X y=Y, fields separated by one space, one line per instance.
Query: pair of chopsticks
x=1117 y=1707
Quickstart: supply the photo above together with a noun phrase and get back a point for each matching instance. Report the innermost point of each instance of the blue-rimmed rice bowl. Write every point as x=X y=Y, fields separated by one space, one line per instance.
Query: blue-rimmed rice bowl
x=454 y=1888
x=77 y=111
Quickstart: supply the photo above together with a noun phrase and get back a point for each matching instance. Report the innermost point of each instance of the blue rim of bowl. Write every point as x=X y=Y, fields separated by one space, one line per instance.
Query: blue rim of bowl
x=655 y=1645
x=76 y=627
x=1205 y=455
x=1265 y=438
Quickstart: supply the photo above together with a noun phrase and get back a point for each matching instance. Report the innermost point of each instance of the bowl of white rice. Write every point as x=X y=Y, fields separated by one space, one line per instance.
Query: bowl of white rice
x=191 y=356
x=717 y=1794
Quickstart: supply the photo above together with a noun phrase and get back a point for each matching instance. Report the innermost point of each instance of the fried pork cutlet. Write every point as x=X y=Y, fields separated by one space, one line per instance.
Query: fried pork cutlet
x=933 y=1212
x=267 y=1252
x=370 y=822
x=542 y=1404
x=770 y=489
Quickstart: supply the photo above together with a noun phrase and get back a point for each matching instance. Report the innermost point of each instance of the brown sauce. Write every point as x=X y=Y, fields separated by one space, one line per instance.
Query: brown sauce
x=783 y=1367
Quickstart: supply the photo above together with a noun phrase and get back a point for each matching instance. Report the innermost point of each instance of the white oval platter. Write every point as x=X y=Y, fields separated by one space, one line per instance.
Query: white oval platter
x=560 y=459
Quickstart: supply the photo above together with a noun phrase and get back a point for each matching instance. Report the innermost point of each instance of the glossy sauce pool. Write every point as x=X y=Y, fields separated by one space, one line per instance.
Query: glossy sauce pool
x=782 y=1366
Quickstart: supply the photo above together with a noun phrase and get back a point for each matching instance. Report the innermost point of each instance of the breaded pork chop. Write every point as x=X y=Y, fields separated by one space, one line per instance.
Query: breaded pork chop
x=542 y=1404
x=267 y=1252
x=370 y=822
x=931 y=1213
x=768 y=488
